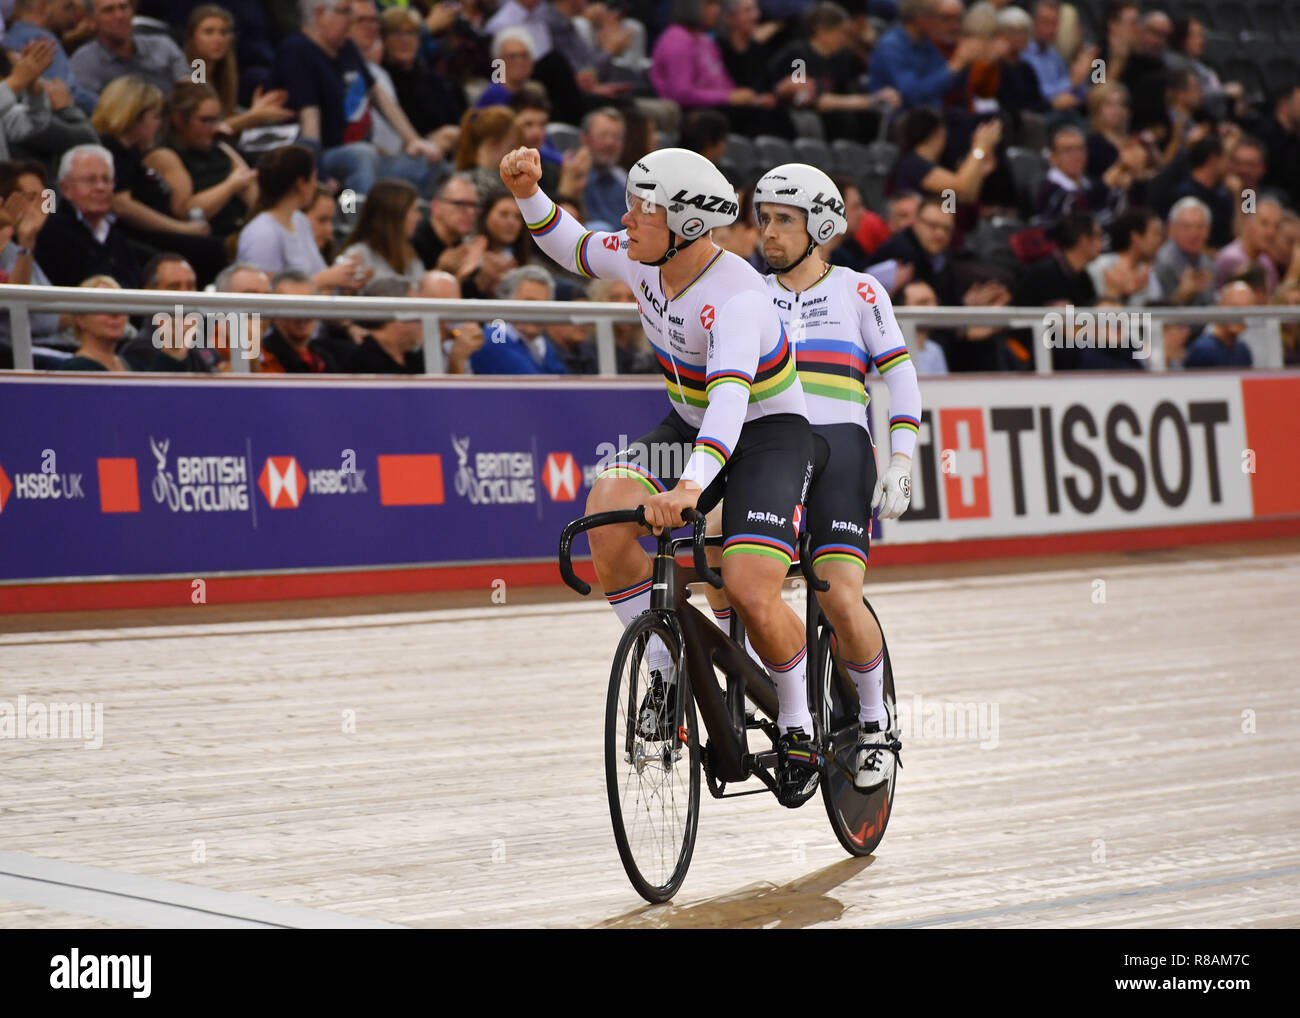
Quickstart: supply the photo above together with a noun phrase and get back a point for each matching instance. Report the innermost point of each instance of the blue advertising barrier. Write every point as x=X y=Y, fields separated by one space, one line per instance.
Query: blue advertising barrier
x=136 y=477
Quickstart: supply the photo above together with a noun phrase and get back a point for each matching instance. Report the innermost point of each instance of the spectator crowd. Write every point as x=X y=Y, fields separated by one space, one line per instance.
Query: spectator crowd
x=1093 y=154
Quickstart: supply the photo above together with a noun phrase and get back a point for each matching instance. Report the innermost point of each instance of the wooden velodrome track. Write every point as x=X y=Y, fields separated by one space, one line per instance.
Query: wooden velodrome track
x=1140 y=770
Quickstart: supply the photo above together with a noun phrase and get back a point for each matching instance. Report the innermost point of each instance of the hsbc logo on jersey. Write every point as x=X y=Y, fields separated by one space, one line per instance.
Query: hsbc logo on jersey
x=867 y=293
x=562 y=477
x=611 y=243
x=282 y=482
x=706 y=316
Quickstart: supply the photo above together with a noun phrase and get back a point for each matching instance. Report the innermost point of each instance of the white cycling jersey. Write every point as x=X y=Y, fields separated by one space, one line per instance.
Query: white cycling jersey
x=724 y=355
x=838 y=326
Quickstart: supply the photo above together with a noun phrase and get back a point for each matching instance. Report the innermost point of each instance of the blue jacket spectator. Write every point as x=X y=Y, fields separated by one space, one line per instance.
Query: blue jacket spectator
x=908 y=59
x=522 y=348
x=36 y=20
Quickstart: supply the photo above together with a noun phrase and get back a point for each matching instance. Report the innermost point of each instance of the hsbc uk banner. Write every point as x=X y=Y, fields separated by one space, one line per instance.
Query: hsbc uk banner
x=142 y=477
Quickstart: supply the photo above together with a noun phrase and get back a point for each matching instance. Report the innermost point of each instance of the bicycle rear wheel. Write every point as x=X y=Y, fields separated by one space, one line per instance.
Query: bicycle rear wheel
x=653 y=785
x=858 y=819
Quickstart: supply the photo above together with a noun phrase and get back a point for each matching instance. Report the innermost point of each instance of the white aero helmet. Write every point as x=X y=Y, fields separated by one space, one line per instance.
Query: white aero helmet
x=694 y=192
x=808 y=188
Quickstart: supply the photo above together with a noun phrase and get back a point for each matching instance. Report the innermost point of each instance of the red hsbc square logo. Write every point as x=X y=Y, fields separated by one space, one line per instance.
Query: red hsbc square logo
x=282 y=482
x=611 y=243
x=867 y=293
x=119 y=485
x=561 y=476
x=706 y=316
x=6 y=486
x=963 y=461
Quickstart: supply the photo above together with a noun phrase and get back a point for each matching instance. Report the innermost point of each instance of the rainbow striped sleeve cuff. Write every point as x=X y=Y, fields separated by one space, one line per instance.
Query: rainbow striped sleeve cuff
x=729 y=375
x=548 y=223
x=580 y=256
x=714 y=448
x=904 y=423
x=891 y=359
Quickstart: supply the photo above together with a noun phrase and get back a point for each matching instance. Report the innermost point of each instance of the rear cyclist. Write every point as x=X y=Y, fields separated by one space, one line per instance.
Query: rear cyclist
x=839 y=322
x=737 y=420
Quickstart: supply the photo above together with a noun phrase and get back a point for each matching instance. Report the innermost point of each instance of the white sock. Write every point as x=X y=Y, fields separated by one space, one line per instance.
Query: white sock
x=630 y=602
x=870 y=680
x=723 y=616
x=792 y=692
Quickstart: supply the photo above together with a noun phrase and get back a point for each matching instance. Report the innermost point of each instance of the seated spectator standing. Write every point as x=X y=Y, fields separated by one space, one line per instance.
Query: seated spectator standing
x=381 y=240
x=79 y=240
x=117 y=52
x=1219 y=346
x=908 y=59
x=688 y=69
x=1066 y=188
x=22 y=216
x=1256 y=236
x=201 y=172
x=387 y=344
x=97 y=335
x=49 y=19
x=168 y=271
x=292 y=345
x=604 y=197
x=522 y=348
x=331 y=89
x=127 y=118
x=279 y=236
x=209 y=41
x=1184 y=271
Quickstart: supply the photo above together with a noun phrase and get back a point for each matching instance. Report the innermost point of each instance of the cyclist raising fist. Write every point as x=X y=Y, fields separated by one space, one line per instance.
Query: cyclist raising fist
x=737 y=422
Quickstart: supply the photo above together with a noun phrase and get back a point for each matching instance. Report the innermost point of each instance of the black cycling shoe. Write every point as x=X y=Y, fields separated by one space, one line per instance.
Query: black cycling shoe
x=658 y=710
x=797 y=768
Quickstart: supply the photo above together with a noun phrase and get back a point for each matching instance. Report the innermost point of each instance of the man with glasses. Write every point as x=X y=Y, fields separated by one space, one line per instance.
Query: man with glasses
x=116 y=51
x=924 y=246
x=332 y=90
x=79 y=240
x=441 y=240
x=1067 y=189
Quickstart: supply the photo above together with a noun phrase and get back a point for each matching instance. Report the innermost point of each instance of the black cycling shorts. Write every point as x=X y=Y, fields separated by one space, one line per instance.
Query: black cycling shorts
x=839 y=499
x=765 y=481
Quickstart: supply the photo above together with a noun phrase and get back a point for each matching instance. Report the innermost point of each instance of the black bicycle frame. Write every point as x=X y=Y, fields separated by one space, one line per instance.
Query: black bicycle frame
x=704 y=644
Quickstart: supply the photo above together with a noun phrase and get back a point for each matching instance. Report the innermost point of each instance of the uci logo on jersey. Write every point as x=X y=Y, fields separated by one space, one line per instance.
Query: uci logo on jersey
x=645 y=290
x=784 y=305
x=707 y=202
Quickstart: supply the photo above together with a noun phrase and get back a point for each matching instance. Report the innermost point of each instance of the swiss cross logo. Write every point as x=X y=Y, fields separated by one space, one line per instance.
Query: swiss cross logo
x=561 y=476
x=5 y=488
x=706 y=316
x=964 y=462
x=867 y=293
x=611 y=243
x=282 y=482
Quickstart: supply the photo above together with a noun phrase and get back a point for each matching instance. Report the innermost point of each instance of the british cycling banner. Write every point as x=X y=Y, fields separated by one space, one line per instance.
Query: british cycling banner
x=144 y=476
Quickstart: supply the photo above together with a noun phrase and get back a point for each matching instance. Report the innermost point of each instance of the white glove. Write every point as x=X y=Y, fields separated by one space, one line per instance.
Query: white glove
x=894 y=490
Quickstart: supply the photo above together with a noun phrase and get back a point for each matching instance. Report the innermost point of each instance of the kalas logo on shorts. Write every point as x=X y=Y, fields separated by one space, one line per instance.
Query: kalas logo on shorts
x=46 y=484
x=706 y=316
x=211 y=484
x=562 y=477
x=496 y=478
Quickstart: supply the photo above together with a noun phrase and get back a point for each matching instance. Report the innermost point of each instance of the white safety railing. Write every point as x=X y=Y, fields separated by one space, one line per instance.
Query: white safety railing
x=21 y=301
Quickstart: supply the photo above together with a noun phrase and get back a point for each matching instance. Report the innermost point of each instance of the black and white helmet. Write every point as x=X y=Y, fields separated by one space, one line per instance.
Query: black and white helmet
x=694 y=192
x=808 y=188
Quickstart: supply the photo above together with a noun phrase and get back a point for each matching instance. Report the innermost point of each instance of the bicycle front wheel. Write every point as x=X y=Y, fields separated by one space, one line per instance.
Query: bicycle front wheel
x=652 y=772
